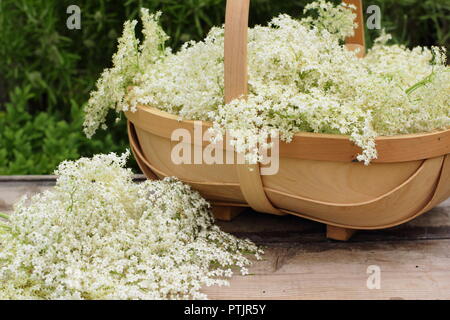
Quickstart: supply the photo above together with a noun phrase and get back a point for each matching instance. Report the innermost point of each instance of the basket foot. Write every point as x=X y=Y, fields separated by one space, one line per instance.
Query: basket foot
x=226 y=213
x=338 y=233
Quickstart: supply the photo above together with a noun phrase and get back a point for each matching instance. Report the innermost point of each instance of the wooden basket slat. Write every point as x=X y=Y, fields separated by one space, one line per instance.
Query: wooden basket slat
x=313 y=146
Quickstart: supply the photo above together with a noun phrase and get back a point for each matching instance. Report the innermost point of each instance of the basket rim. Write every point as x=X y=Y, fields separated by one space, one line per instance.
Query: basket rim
x=170 y=116
x=310 y=145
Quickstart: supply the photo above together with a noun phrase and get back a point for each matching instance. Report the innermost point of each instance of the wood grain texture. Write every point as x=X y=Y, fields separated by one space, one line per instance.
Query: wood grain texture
x=339 y=182
x=337 y=233
x=358 y=39
x=226 y=213
x=395 y=207
x=235 y=55
x=253 y=189
x=136 y=150
x=409 y=270
x=443 y=188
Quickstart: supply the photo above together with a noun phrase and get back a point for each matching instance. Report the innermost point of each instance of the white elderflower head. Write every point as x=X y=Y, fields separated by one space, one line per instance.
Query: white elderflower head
x=99 y=235
x=338 y=20
x=301 y=78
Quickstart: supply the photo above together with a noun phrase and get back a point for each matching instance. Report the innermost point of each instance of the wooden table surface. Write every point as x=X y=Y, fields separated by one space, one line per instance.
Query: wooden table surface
x=300 y=263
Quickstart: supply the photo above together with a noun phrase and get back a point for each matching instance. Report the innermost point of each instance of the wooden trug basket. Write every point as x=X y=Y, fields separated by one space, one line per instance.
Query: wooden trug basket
x=318 y=176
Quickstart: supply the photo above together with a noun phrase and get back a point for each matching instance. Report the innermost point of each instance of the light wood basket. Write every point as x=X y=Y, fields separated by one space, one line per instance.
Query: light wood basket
x=318 y=177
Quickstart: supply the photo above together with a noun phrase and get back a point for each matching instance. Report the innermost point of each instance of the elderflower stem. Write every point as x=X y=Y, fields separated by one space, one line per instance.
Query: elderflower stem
x=5 y=227
x=4 y=216
x=421 y=83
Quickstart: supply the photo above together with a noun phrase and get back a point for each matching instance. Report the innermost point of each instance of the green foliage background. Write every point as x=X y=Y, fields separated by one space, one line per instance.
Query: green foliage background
x=47 y=70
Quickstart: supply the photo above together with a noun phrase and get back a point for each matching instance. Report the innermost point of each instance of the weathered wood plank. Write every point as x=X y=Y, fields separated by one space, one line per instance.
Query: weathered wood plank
x=409 y=270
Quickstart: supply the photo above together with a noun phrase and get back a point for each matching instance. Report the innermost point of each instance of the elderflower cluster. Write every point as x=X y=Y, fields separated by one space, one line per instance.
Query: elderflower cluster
x=335 y=19
x=301 y=79
x=130 y=59
x=99 y=235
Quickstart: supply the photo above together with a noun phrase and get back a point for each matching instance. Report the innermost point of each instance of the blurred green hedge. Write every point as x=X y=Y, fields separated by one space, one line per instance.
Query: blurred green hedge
x=47 y=70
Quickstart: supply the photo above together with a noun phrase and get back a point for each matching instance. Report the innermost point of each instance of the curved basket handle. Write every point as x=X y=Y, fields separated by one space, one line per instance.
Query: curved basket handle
x=358 y=40
x=235 y=51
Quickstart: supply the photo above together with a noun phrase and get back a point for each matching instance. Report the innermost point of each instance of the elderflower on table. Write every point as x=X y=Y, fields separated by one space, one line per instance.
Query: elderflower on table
x=99 y=235
x=301 y=79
